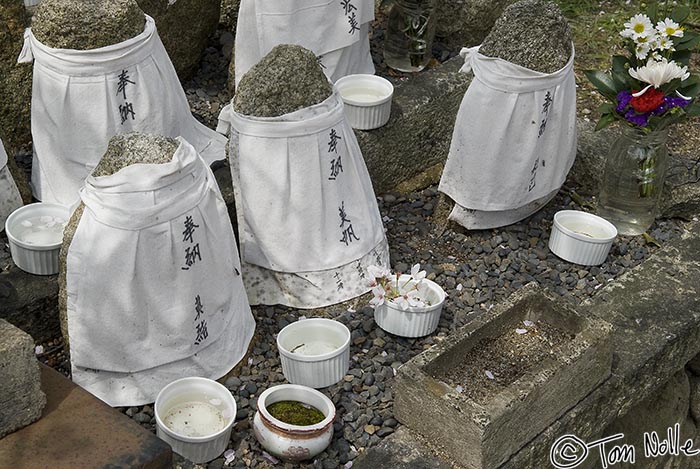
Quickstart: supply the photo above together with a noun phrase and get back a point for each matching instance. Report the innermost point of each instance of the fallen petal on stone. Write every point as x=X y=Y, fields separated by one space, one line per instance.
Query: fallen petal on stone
x=489 y=375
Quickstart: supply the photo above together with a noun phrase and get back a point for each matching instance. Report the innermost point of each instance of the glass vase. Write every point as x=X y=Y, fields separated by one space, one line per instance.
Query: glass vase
x=409 y=35
x=633 y=179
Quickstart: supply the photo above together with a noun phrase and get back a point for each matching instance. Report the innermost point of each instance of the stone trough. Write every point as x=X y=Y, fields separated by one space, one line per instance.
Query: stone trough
x=483 y=428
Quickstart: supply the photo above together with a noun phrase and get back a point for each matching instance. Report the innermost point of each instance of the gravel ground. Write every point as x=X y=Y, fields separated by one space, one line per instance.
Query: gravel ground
x=476 y=269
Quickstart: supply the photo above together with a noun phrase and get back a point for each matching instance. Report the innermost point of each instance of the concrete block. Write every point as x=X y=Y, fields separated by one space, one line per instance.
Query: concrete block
x=77 y=430
x=655 y=312
x=484 y=433
x=21 y=398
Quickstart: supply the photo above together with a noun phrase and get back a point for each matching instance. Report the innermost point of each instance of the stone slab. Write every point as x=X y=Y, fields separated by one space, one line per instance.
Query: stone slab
x=78 y=430
x=655 y=312
x=30 y=302
x=21 y=398
x=401 y=450
x=485 y=434
x=409 y=151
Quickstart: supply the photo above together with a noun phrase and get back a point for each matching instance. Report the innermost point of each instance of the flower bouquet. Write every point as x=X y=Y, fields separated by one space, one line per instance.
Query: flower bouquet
x=650 y=88
x=408 y=305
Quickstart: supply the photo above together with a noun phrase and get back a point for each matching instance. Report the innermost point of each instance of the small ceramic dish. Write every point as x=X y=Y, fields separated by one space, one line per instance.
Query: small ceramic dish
x=314 y=352
x=581 y=238
x=195 y=416
x=367 y=100
x=35 y=235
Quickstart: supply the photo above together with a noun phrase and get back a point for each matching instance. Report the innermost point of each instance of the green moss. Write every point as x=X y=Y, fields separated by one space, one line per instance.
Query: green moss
x=295 y=413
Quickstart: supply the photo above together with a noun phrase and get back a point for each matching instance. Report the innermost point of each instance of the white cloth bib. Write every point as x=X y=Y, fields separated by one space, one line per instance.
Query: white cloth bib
x=305 y=205
x=80 y=99
x=514 y=140
x=153 y=281
x=10 y=199
x=335 y=30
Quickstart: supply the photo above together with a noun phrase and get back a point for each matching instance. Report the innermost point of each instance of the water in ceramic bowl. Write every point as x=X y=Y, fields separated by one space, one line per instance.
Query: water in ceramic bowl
x=363 y=94
x=196 y=415
x=42 y=230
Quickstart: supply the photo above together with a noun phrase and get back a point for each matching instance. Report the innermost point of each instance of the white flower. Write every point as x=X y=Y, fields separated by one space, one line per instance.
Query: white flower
x=416 y=273
x=658 y=73
x=401 y=302
x=376 y=272
x=379 y=296
x=639 y=26
x=668 y=27
x=641 y=50
x=413 y=298
x=663 y=43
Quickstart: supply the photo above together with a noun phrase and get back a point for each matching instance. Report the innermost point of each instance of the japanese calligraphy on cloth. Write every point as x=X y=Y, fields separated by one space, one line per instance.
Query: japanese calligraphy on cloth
x=153 y=283
x=336 y=31
x=305 y=203
x=80 y=99
x=10 y=198
x=515 y=136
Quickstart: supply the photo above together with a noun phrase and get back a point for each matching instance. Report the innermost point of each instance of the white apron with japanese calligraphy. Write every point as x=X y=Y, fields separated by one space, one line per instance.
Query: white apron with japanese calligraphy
x=308 y=220
x=153 y=283
x=514 y=141
x=335 y=30
x=80 y=99
x=10 y=199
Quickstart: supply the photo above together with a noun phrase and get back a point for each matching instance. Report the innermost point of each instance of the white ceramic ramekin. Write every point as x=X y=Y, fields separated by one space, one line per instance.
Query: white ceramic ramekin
x=581 y=238
x=367 y=100
x=293 y=442
x=197 y=449
x=34 y=258
x=412 y=321
x=314 y=352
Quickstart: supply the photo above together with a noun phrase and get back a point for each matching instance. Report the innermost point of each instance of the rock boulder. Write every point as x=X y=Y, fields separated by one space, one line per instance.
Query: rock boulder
x=285 y=80
x=531 y=33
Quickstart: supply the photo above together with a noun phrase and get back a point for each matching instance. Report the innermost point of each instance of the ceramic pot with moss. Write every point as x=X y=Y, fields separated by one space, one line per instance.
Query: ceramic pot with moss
x=301 y=405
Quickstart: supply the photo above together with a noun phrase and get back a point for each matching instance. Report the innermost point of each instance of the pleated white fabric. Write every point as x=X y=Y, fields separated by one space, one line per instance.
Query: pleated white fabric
x=308 y=220
x=514 y=141
x=335 y=30
x=10 y=199
x=154 y=289
x=80 y=99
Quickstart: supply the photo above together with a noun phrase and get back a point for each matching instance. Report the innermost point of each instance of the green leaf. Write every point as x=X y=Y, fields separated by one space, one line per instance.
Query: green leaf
x=604 y=82
x=691 y=43
x=606 y=108
x=606 y=120
x=680 y=13
x=671 y=86
x=693 y=110
x=691 y=88
x=682 y=56
x=619 y=63
x=652 y=11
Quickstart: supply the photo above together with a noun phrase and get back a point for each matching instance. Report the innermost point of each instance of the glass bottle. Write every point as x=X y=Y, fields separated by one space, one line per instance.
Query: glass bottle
x=409 y=35
x=633 y=179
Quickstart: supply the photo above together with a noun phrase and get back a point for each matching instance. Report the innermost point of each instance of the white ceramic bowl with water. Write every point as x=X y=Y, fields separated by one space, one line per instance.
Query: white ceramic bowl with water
x=194 y=416
x=412 y=321
x=581 y=238
x=367 y=100
x=35 y=235
x=314 y=352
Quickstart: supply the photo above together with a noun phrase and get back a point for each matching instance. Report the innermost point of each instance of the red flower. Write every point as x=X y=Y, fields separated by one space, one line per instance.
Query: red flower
x=647 y=102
